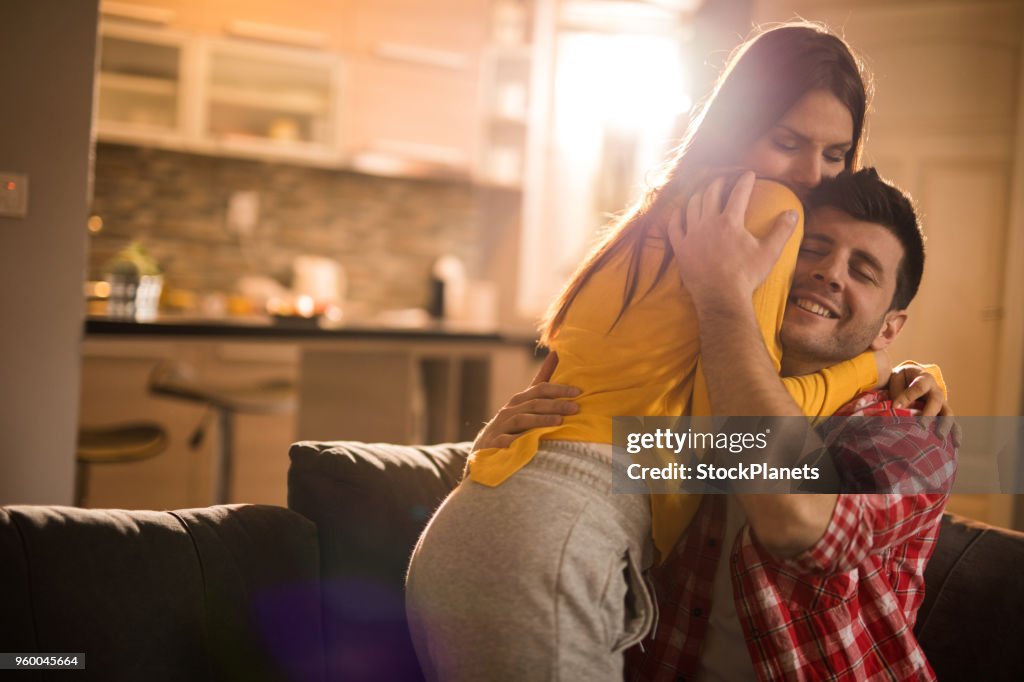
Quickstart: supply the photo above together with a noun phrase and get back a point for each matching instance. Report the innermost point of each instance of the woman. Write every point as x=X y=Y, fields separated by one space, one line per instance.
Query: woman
x=531 y=569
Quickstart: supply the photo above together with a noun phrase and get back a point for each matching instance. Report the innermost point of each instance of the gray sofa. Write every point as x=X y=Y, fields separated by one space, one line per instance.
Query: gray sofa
x=314 y=592
x=223 y=593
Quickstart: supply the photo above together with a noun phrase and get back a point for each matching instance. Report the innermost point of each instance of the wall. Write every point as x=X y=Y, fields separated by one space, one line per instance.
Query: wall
x=46 y=75
x=385 y=232
x=945 y=126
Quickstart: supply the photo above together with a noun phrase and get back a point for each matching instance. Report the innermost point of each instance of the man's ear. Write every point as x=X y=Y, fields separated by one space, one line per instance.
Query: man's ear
x=892 y=324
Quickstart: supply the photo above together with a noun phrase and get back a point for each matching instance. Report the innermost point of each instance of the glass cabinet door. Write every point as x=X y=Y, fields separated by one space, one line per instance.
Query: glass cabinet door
x=259 y=98
x=140 y=84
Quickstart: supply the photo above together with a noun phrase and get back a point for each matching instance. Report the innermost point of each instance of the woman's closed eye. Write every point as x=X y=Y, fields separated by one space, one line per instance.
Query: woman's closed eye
x=786 y=145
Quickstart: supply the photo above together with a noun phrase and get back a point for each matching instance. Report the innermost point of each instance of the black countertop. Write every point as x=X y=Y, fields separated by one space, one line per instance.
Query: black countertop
x=297 y=329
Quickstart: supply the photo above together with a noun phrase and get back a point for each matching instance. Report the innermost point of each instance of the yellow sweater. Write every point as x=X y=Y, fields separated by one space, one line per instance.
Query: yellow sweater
x=648 y=363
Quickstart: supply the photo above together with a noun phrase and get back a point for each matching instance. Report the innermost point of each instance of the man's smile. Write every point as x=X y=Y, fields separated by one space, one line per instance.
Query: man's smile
x=814 y=306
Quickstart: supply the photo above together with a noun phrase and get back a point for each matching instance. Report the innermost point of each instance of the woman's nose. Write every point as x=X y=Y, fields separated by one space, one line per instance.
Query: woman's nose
x=807 y=173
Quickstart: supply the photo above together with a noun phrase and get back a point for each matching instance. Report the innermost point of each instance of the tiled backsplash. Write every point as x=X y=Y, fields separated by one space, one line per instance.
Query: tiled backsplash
x=385 y=232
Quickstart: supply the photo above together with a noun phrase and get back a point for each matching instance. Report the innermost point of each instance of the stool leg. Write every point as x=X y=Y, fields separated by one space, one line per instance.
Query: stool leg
x=223 y=458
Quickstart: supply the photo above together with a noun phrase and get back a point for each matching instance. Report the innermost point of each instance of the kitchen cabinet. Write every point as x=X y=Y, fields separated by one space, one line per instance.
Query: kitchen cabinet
x=227 y=97
x=369 y=384
x=322 y=21
x=142 y=80
x=419 y=116
x=509 y=104
x=447 y=85
x=505 y=115
x=426 y=88
x=415 y=83
x=268 y=101
x=114 y=390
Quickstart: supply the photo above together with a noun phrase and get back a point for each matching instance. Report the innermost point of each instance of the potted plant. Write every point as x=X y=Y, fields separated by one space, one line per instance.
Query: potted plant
x=135 y=284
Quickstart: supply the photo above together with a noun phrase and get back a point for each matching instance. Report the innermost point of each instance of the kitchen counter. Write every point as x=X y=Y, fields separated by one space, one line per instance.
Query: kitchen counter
x=298 y=329
x=433 y=382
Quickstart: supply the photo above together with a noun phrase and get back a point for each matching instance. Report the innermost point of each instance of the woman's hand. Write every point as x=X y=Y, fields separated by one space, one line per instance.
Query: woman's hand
x=542 y=404
x=909 y=383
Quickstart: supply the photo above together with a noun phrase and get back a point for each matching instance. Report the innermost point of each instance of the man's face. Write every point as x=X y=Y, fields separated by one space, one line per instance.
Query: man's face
x=843 y=286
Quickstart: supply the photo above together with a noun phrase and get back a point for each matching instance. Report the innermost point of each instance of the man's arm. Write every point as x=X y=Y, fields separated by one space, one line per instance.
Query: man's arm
x=742 y=382
x=823 y=533
x=722 y=264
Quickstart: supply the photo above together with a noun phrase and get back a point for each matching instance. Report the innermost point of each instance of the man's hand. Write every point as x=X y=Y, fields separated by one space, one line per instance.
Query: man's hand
x=720 y=261
x=542 y=404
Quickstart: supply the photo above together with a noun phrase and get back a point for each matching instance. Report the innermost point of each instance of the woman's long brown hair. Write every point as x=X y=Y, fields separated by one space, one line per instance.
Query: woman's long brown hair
x=763 y=78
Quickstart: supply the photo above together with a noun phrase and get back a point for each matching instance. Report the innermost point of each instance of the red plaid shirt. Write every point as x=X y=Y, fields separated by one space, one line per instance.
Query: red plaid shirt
x=842 y=610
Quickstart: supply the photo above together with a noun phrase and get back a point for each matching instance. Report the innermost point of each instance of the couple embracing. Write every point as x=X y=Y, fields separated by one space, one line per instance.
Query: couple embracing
x=773 y=289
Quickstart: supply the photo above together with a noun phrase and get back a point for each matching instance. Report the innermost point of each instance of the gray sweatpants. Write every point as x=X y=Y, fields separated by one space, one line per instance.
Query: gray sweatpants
x=539 y=578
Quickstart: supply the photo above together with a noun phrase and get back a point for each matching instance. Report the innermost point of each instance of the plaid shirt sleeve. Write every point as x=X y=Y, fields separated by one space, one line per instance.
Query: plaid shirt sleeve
x=898 y=450
x=889 y=454
x=844 y=610
x=863 y=525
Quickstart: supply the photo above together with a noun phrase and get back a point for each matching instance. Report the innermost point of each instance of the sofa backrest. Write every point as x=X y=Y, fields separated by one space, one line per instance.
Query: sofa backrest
x=222 y=593
x=371 y=501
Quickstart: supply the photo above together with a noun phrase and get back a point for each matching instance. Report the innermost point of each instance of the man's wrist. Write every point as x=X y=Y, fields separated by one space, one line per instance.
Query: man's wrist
x=725 y=296
x=724 y=302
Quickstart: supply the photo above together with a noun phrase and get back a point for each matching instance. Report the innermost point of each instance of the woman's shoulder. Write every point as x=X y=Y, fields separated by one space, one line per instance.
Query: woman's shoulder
x=768 y=200
x=772 y=193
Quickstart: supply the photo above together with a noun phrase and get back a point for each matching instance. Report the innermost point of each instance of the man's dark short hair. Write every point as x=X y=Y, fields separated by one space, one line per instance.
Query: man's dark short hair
x=866 y=197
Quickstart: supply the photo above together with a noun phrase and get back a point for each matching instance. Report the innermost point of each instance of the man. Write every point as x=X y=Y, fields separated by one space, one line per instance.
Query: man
x=815 y=586
x=827 y=586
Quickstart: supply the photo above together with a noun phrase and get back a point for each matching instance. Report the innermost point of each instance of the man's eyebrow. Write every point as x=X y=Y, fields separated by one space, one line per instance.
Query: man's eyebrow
x=817 y=237
x=804 y=138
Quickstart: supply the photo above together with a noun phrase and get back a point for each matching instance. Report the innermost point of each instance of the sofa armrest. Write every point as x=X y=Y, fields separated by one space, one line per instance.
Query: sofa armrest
x=969 y=623
x=370 y=503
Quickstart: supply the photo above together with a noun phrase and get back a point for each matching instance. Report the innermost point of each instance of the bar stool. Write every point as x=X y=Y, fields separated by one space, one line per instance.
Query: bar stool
x=114 y=445
x=175 y=380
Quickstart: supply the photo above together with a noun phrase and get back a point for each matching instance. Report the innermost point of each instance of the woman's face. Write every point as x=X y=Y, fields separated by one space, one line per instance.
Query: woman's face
x=807 y=144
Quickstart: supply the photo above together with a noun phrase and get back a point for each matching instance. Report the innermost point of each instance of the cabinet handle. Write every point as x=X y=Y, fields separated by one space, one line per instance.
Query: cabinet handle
x=419 y=151
x=276 y=34
x=426 y=56
x=149 y=15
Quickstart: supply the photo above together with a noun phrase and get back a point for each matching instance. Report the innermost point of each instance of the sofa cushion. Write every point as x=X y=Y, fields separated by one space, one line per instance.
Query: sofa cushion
x=17 y=630
x=262 y=592
x=370 y=503
x=969 y=622
x=206 y=594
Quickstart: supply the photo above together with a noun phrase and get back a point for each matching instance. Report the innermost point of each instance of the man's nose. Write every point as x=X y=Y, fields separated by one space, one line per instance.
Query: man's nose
x=829 y=273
